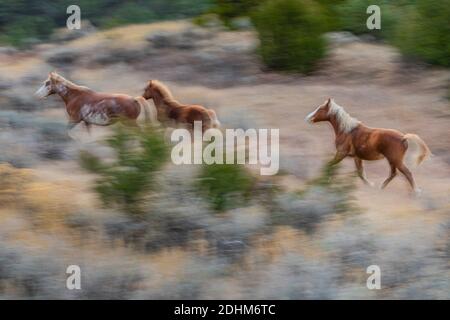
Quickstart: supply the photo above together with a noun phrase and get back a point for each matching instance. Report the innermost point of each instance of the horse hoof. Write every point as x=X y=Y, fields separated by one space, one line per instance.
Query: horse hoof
x=417 y=191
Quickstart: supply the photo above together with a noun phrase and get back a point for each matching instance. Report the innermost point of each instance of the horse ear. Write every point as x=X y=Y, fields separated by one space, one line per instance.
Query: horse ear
x=328 y=101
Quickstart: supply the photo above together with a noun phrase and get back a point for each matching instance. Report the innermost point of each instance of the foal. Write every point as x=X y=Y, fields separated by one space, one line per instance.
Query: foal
x=356 y=140
x=103 y=109
x=170 y=110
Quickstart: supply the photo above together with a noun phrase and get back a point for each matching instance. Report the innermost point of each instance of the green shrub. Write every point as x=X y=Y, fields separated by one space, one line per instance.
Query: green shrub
x=207 y=20
x=229 y=9
x=424 y=32
x=330 y=9
x=139 y=154
x=290 y=34
x=225 y=185
x=19 y=31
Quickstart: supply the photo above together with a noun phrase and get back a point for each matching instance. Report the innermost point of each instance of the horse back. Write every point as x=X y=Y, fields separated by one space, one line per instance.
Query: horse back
x=190 y=113
x=93 y=106
x=376 y=143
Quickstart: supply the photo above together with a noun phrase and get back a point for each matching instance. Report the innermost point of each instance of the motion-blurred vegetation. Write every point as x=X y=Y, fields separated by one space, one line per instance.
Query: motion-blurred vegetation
x=226 y=185
x=229 y=9
x=419 y=28
x=423 y=31
x=140 y=154
x=22 y=21
x=290 y=32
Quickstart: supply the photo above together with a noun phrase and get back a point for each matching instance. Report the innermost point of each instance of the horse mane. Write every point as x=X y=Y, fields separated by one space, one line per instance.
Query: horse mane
x=165 y=93
x=346 y=122
x=162 y=89
x=66 y=82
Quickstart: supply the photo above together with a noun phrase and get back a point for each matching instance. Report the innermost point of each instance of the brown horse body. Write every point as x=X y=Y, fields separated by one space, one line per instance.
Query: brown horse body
x=356 y=140
x=170 y=110
x=90 y=107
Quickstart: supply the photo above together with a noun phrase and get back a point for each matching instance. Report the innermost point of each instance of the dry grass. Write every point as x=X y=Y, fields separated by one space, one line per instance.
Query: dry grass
x=127 y=36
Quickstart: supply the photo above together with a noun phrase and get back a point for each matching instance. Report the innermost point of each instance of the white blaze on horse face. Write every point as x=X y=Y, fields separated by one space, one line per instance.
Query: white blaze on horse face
x=309 y=118
x=43 y=91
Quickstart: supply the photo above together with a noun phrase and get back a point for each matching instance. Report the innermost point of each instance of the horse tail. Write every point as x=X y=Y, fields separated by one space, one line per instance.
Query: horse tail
x=215 y=123
x=425 y=152
x=151 y=115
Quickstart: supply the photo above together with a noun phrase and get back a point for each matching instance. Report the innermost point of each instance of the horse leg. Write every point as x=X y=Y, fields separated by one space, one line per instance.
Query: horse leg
x=392 y=176
x=403 y=169
x=338 y=157
x=361 y=173
x=70 y=126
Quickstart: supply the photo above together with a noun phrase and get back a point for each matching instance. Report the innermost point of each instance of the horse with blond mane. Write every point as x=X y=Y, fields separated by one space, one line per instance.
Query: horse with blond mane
x=170 y=110
x=90 y=107
x=356 y=140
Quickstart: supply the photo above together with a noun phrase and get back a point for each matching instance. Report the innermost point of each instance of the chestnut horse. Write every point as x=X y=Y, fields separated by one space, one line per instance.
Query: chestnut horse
x=170 y=110
x=354 y=139
x=102 y=109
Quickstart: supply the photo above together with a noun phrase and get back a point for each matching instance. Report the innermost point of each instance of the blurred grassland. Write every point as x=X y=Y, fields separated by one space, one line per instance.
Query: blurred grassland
x=307 y=233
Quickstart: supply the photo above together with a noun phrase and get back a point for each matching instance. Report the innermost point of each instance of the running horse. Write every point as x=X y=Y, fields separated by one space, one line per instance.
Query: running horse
x=90 y=107
x=356 y=140
x=170 y=110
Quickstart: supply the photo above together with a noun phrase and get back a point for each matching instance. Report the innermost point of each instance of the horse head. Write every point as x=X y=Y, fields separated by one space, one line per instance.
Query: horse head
x=149 y=90
x=321 y=113
x=48 y=87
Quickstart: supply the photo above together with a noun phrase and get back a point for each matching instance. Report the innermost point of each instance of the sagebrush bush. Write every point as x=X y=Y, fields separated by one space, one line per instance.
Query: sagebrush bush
x=424 y=32
x=225 y=185
x=139 y=154
x=290 y=34
x=323 y=196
